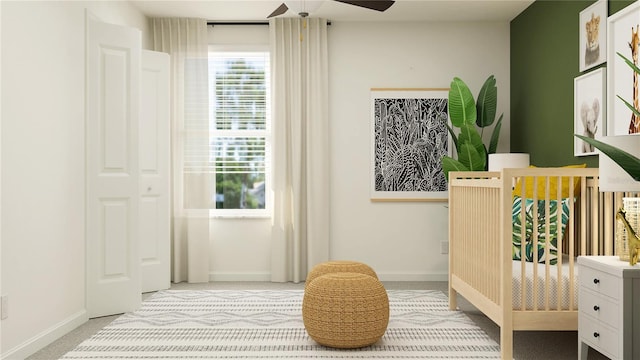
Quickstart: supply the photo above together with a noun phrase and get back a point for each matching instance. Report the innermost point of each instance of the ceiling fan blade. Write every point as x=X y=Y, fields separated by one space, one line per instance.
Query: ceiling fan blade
x=279 y=11
x=378 y=5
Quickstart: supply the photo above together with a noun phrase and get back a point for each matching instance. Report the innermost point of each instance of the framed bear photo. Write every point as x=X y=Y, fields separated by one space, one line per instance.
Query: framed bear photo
x=593 y=35
x=589 y=109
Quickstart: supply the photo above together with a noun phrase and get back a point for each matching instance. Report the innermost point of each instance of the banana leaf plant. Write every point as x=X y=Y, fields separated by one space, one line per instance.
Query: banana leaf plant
x=626 y=161
x=469 y=116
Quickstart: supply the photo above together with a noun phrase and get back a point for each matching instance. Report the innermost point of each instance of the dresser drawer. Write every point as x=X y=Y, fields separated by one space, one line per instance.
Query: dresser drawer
x=599 y=307
x=599 y=282
x=598 y=336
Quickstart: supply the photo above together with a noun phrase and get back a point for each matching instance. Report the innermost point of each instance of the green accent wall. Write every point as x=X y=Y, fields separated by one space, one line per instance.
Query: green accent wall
x=544 y=62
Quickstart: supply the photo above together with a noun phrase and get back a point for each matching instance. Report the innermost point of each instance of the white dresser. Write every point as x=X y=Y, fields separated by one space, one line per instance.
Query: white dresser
x=609 y=307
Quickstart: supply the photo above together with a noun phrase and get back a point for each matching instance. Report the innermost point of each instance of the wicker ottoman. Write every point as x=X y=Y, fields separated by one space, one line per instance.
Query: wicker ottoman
x=339 y=266
x=345 y=310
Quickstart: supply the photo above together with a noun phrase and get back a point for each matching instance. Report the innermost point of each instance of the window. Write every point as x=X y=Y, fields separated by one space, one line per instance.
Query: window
x=239 y=135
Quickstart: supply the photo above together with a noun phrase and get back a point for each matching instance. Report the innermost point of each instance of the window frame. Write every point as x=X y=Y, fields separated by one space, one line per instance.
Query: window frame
x=267 y=212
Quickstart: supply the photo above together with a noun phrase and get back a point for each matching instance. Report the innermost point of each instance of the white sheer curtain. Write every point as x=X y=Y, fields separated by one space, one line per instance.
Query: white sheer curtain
x=186 y=42
x=300 y=233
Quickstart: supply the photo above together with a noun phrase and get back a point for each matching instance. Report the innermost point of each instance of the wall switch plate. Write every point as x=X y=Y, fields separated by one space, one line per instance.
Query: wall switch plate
x=444 y=247
x=4 y=307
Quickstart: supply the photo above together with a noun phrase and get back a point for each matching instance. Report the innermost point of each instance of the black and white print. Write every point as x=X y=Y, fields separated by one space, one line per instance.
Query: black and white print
x=410 y=138
x=589 y=109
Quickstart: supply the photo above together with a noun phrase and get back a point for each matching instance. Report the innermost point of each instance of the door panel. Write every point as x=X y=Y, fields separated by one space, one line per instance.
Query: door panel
x=154 y=172
x=112 y=176
x=115 y=240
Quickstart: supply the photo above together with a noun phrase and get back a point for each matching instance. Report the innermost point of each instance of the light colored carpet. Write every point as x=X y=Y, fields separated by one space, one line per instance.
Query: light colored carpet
x=528 y=345
x=267 y=324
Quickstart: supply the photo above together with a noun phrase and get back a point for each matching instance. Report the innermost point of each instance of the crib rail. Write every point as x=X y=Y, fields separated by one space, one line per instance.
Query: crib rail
x=474 y=217
x=481 y=230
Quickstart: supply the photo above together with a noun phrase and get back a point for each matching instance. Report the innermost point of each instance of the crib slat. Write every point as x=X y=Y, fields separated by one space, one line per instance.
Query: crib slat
x=571 y=240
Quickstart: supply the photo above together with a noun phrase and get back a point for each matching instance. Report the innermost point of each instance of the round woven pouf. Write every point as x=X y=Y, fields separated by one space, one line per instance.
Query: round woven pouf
x=345 y=310
x=335 y=266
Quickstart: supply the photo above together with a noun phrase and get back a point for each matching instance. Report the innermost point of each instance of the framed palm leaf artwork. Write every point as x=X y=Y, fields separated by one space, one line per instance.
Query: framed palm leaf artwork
x=409 y=137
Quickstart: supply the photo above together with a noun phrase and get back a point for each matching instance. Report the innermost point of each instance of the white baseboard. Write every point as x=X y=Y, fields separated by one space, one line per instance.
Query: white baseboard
x=228 y=276
x=413 y=277
x=46 y=337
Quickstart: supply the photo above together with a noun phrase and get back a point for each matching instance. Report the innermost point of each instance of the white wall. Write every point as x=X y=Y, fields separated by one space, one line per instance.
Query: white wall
x=43 y=243
x=400 y=240
x=240 y=250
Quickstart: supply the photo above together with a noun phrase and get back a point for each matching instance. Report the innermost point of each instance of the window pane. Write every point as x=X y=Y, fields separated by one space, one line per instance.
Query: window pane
x=240 y=172
x=239 y=85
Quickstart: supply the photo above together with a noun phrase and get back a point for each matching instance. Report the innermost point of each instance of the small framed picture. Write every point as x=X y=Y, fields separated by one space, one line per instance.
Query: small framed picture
x=589 y=109
x=623 y=33
x=593 y=35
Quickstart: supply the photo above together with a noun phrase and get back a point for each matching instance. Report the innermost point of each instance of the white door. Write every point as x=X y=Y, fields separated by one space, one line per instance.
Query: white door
x=154 y=171
x=112 y=180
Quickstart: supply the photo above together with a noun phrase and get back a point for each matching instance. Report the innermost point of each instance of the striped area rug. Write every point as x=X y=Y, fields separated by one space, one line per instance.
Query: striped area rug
x=262 y=324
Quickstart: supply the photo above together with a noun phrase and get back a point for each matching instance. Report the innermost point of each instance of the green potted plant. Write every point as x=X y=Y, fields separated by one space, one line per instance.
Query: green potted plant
x=469 y=116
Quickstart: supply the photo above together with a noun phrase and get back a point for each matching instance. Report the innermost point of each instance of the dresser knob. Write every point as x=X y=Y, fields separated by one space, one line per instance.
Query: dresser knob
x=596 y=281
x=596 y=308
x=595 y=334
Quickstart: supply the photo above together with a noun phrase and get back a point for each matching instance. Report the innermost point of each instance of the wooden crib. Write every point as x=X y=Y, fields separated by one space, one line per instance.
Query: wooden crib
x=525 y=295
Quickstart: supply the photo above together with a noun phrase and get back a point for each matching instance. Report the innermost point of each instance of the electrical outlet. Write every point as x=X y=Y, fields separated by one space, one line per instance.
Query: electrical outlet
x=4 y=307
x=444 y=247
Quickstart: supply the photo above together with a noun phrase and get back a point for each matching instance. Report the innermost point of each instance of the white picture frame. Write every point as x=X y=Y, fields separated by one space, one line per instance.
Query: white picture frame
x=409 y=136
x=620 y=76
x=589 y=109
x=593 y=35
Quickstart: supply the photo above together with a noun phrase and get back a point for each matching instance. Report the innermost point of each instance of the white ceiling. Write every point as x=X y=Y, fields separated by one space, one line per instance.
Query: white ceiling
x=402 y=10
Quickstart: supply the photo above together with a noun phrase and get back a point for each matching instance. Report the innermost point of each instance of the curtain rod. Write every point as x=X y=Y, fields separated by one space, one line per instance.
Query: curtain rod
x=214 y=23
